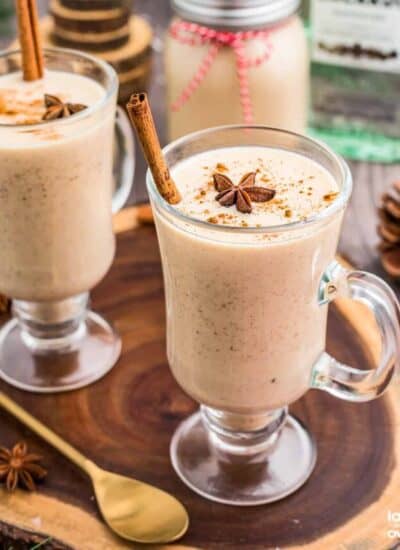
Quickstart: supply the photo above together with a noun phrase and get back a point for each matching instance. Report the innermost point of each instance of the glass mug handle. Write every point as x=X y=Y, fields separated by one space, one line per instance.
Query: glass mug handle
x=125 y=160
x=341 y=380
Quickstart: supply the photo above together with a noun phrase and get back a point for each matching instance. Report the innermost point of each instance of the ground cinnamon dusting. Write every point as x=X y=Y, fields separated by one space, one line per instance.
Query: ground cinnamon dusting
x=329 y=197
x=297 y=194
x=46 y=134
x=201 y=193
x=24 y=112
x=3 y=105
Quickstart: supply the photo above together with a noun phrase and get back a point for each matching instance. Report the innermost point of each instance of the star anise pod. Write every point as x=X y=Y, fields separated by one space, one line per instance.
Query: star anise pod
x=389 y=230
x=18 y=467
x=242 y=194
x=55 y=108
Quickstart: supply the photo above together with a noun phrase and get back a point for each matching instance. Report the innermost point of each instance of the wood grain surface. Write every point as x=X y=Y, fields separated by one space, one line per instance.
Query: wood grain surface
x=125 y=423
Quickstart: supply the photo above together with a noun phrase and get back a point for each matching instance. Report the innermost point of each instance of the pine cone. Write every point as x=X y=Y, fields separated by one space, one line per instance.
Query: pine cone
x=389 y=230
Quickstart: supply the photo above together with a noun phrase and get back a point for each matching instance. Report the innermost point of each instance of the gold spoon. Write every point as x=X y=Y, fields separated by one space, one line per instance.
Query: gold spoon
x=134 y=510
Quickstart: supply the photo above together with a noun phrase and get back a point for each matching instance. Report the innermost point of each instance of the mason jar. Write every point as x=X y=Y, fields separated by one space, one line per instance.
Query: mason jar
x=236 y=62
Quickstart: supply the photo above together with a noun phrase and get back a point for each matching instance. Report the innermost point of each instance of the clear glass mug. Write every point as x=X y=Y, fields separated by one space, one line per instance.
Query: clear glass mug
x=246 y=329
x=57 y=196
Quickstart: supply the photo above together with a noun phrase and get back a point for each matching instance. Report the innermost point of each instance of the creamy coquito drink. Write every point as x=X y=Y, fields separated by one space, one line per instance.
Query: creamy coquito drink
x=244 y=326
x=249 y=266
x=56 y=203
x=56 y=235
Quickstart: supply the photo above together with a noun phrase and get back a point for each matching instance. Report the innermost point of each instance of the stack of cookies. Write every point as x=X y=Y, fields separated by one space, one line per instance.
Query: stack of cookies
x=107 y=29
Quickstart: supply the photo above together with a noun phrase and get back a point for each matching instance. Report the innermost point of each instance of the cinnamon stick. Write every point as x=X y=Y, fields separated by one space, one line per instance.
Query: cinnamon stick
x=29 y=37
x=142 y=119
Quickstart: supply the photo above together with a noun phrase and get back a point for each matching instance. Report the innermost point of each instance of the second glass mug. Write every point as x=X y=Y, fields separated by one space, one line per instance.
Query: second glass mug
x=56 y=235
x=246 y=328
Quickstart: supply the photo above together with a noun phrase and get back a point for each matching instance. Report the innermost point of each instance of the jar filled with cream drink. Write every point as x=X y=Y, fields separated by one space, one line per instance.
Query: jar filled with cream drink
x=242 y=62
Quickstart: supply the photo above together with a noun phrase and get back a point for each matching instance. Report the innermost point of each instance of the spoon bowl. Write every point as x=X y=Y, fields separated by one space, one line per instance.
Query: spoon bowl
x=137 y=511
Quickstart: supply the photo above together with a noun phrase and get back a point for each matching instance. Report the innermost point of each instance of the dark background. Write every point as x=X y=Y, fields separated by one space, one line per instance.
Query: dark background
x=359 y=240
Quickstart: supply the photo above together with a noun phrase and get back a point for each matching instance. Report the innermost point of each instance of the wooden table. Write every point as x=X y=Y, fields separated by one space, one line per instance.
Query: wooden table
x=126 y=420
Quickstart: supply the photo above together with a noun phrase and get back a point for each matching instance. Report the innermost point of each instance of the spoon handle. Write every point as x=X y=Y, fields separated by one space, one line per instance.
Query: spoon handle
x=48 y=435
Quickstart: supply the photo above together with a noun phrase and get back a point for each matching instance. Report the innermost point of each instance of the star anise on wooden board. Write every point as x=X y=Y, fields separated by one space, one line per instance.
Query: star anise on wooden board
x=242 y=194
x=55 y=108
x=20 y=468
x=389 y=230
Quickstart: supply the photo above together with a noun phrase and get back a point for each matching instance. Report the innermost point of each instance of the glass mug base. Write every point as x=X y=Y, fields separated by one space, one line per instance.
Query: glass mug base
x=49 y=357
x=243 y=468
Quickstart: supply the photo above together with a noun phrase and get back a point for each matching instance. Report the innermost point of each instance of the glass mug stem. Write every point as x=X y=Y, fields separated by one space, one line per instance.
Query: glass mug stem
x=243 y=435
x=52 y=326
x=347 y=382
x=243 y=459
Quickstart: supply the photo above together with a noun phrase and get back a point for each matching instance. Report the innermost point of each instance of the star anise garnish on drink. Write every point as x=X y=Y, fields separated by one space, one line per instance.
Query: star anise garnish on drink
x=20 y=468
x=241 y=194
x=55 y=108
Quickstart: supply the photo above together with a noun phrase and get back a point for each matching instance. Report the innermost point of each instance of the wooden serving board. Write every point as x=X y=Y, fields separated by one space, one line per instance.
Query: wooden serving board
x=126 y=420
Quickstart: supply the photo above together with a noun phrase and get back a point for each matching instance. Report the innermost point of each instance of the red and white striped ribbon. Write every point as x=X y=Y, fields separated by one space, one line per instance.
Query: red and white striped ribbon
x=193 y=34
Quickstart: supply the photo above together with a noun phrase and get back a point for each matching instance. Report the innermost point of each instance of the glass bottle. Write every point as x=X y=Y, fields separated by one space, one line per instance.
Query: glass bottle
x=6 y=12
x=355 y=77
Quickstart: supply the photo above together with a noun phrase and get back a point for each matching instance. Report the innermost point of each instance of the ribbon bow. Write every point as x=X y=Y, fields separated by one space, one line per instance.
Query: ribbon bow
x=193 y=34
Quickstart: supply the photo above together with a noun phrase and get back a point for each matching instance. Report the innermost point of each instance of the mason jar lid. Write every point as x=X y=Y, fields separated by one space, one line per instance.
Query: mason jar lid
x=235 y=14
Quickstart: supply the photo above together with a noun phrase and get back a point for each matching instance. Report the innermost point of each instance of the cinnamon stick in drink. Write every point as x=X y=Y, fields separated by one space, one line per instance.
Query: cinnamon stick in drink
x=142 y=119
x=29 y=37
